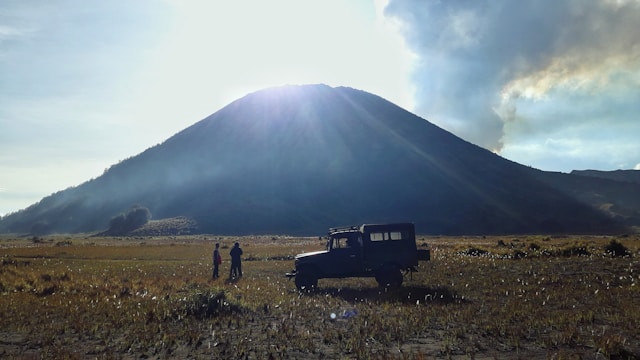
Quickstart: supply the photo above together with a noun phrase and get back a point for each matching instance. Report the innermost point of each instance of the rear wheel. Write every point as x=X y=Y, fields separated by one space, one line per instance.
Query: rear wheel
x=389 y=277
x=306 y=279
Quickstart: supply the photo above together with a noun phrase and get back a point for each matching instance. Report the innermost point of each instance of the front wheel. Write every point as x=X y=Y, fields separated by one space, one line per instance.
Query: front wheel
x=389 y=277
x=306 y=279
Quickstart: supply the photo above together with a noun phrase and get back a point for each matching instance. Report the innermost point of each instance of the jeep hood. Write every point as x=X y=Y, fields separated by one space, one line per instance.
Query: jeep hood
x=313 y=253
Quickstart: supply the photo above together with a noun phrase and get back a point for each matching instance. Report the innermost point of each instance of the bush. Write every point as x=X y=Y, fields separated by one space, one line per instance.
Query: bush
x=208 y=304
x=575 y=251
x=117 y=224
x=135 y=217
x=475 y=252
x=519 y=254
x=616 y=249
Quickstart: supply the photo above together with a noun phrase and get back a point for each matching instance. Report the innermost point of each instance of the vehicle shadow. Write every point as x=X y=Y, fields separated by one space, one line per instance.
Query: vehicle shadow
x=407 y=294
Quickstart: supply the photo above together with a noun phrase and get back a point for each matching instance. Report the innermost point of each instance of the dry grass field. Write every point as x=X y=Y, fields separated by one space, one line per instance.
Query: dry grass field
x=529 y=297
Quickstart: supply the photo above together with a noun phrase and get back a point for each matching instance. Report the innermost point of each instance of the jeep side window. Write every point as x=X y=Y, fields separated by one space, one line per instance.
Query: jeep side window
x=384 y=236
x=347 y=242
x=336 y=243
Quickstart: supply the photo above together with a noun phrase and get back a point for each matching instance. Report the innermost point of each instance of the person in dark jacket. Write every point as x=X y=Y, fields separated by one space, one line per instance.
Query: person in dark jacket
x=217 y=260
x=236 y=262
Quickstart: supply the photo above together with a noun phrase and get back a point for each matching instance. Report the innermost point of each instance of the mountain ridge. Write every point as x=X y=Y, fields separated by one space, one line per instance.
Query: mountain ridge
x=632 y=176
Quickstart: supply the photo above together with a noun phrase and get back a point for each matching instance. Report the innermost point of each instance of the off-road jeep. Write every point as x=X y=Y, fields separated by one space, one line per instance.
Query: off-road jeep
x=382 y=251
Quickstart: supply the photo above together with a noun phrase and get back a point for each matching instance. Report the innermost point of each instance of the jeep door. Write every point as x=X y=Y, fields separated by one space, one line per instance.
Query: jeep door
x=346 y=256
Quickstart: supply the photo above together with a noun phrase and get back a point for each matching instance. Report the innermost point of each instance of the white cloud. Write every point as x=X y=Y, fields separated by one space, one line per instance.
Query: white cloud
x=500 y=73
x=7 y=32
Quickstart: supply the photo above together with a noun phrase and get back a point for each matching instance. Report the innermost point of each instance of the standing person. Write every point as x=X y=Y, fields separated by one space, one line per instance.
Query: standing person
x=236 y=262
x=217 y=260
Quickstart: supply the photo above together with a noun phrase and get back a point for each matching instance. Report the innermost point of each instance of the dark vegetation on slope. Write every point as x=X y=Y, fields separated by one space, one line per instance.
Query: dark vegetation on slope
x=124 y=223
x=631 y=176
x=298 y=159
x=619 y=199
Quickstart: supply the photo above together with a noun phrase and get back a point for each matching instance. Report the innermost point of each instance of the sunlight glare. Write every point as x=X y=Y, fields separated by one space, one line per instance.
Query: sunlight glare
x=245 y=46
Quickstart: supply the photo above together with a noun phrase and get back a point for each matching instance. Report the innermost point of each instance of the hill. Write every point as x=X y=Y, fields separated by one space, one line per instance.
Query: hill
x=298 y=159
x=616 y=193
x=631 y=176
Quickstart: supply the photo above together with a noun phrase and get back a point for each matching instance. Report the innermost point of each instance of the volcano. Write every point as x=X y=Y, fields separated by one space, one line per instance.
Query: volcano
x=299 y=159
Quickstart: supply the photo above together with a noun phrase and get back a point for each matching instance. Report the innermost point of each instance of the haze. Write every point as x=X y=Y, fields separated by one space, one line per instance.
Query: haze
x=83 y=85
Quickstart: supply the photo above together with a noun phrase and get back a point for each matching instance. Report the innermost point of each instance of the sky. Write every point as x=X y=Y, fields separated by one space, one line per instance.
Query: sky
x=85 y=84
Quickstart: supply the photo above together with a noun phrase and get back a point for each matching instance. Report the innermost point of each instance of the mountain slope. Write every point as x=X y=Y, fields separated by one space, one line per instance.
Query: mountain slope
x=298 y=159
x=615 y=193
x=632 y=176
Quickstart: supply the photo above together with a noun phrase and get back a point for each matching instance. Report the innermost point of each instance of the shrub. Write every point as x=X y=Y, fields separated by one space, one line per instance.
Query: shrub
x=519 y=254
x=616 y=249
x=117 y=224
x=208 y=304
x=475 y=252
x=575 y=251
x=135 y=217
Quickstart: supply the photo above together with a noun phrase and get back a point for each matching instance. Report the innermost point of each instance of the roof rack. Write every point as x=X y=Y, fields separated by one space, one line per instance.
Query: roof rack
x=343 y=229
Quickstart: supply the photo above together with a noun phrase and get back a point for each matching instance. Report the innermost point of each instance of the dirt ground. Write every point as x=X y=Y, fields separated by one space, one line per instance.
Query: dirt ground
x=518 y=297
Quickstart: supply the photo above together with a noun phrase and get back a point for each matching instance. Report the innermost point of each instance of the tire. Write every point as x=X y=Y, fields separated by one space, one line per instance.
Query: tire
x=306 y=279
x=389 y=277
